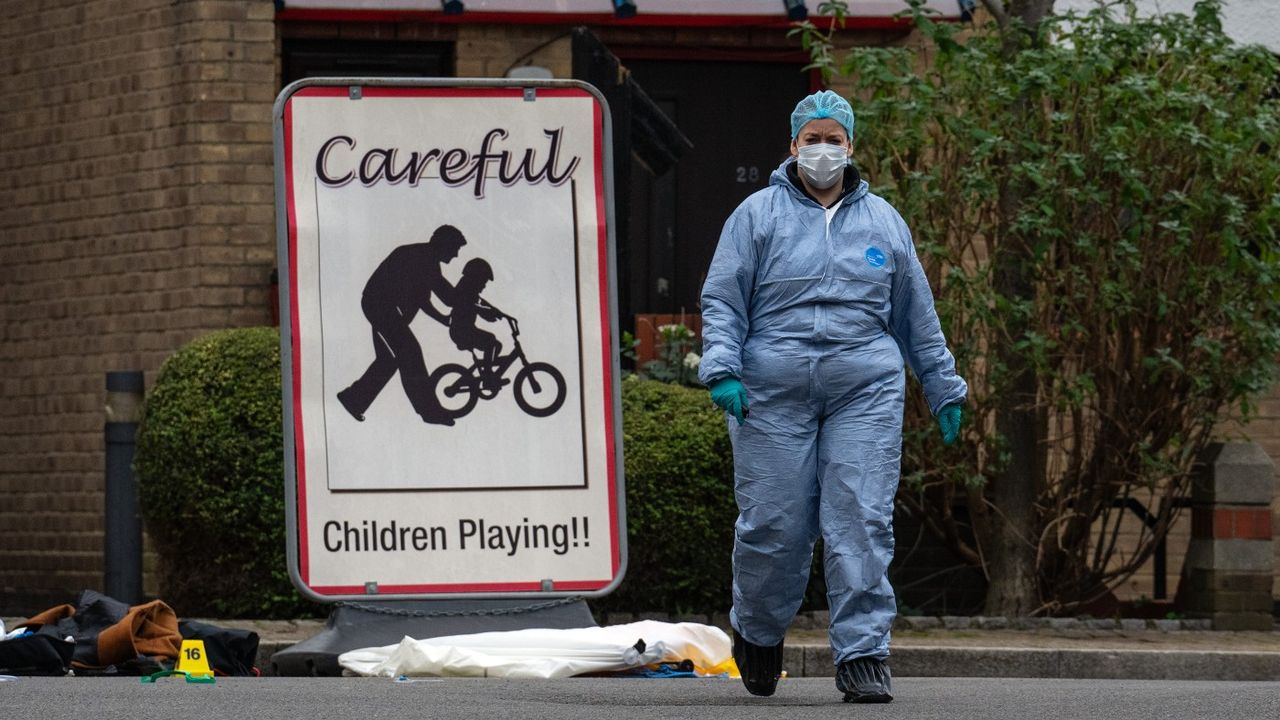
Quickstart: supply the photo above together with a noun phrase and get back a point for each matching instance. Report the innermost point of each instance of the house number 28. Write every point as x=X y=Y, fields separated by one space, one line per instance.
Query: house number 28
x=748 y=174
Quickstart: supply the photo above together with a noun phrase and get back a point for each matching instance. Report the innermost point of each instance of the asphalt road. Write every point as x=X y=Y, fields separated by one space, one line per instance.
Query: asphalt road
x=616 y=699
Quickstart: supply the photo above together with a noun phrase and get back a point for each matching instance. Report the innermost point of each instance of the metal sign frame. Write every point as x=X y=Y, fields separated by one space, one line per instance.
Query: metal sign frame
x=613 y=432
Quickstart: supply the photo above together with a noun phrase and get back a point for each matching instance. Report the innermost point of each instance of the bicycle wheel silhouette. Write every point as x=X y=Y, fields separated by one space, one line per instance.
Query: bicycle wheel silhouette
x=455 y=389
x=539 y=389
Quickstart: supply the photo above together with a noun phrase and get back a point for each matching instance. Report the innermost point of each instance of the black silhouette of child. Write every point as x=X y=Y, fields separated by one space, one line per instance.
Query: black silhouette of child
x=465 y=307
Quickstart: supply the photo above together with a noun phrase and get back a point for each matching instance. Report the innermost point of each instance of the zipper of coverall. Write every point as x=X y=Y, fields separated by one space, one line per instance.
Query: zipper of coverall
x=828 y=274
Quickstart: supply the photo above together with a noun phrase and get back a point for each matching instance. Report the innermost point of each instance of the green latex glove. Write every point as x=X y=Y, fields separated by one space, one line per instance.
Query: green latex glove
x=730 y=396
x=949 y=419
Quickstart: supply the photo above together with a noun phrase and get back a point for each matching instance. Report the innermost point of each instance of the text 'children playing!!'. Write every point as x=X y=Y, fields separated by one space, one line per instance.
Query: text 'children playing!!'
x=473 y=534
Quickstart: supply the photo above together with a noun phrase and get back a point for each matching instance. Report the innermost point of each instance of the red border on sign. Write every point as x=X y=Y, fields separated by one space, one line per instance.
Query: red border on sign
x=384 y=91
x=606 y=365
x=602 y=254
x=299 y=448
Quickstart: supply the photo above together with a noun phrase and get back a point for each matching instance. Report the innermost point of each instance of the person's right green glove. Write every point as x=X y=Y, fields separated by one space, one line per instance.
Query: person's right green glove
x=949 y=419
x=730 y=396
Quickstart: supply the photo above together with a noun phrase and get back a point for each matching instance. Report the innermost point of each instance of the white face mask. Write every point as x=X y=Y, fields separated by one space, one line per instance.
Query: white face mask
x=822 y=164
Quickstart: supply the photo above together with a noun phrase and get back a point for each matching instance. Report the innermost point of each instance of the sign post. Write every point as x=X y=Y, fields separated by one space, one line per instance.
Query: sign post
x=452 y=416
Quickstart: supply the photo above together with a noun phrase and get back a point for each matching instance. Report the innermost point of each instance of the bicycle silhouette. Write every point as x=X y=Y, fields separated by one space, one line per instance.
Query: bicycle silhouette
x=539 y=387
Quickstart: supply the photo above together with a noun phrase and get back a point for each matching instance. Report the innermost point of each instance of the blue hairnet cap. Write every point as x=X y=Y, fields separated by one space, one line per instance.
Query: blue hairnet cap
x=822 y=104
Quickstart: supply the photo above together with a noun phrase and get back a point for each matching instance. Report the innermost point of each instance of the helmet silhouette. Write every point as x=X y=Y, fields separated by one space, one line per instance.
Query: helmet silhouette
x=478 y=269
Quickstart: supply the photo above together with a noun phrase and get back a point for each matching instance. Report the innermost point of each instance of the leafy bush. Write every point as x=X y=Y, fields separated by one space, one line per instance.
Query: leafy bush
x=210 y=469
x=1095 y=199
x=680 y=505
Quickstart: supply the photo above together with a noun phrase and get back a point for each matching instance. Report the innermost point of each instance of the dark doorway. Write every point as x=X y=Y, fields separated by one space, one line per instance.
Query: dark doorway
x=737 y=115
x=304 y=58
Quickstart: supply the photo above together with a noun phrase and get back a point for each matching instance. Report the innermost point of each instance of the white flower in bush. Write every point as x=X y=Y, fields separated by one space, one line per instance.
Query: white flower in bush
x=675 y=332
x=692 y=360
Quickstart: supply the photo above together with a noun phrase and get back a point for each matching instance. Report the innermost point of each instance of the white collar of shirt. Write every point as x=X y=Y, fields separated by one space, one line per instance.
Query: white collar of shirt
x=831 y=211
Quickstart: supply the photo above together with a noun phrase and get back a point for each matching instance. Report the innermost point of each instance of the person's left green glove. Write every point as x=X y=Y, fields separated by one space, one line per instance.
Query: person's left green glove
x=730 y=396
x=949 y=419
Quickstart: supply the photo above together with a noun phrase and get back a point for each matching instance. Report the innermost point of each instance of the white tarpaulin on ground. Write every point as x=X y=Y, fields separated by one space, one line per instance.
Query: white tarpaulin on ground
x=548 y=654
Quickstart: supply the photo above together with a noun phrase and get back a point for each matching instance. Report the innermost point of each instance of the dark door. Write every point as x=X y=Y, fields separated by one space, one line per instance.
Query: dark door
x=306 y=57
x=738 y=116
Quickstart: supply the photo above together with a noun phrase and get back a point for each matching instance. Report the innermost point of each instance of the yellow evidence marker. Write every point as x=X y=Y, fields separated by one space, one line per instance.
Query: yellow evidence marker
x=192 y=664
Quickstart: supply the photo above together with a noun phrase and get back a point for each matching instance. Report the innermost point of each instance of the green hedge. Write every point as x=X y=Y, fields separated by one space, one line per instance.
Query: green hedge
x=209 y=462
x=680 y=505
x=210 y=471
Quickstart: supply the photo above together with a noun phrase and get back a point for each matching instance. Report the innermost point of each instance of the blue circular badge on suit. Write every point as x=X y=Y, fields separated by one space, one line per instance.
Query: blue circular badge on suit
x=875 y=258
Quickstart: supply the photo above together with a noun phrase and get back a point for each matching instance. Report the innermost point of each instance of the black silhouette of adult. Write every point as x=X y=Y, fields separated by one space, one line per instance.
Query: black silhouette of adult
x=401 y=286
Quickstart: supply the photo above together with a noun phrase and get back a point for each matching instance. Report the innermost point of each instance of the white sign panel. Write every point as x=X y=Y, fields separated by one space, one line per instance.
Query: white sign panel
x=451 y=375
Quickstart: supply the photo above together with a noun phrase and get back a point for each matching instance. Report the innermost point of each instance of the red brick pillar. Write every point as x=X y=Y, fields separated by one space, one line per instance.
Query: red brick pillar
x=1230 y=560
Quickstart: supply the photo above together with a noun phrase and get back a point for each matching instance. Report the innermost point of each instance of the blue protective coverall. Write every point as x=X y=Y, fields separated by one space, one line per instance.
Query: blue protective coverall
x=814 y=309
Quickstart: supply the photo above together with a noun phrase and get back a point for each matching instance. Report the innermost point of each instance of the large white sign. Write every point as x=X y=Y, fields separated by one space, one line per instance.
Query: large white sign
x=450 y=386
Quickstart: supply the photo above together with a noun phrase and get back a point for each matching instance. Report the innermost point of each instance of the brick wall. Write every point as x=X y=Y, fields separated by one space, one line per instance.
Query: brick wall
x=1141 y=586
x=490 y=51
x=136 y=212
x=1264 y=429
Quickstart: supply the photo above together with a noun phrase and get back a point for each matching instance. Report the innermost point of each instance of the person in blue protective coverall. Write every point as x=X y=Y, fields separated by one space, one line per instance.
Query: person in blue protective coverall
x=813 y=300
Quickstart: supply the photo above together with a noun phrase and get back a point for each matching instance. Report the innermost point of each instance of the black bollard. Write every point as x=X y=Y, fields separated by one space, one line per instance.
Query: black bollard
x=122 y=543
